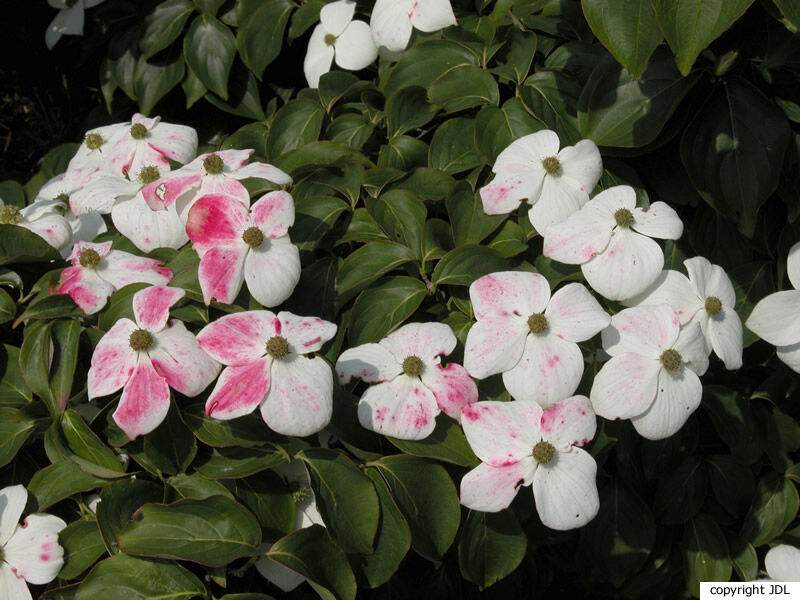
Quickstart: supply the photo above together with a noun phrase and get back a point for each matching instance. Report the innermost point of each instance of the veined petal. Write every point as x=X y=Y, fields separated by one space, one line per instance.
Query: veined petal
x=402 y=408
x=215 y=220
x=783 y=563
x=659 y=220
x=113 y=361
x=354 y=48
x=645 y=330
x=86 y=227
x=165 y=191
x=565 y=490
x=579 y=238
x=145 y=156
x=371 y=363
x=145 y=401
x=305 y=334
x=53 y=228
x=12 y=586
x=710 y=280
x=272 y=270
x=177 y=142
x=151 y=306
x=224 y=185
x=33 y=551
x=319 y=57
x=221 y=272
x=452 y=387
x=573 y=314
x=692 y=348
x=300 y=398
x=233 y=159
x=673 y=289
x=494 y=345
x=335 y=16
x=508 y=293
x=178 y=358
x=509 y=187
x=121 y=268
x=502 y=433
x=148 y=229
x=550 y=369
x=569 y=422
x=239 y=389
x=101 y=192
x=273 y=213
x=559 y=200
x=776 y=318
x=625 y=386
x=724 y=331
x=424 y=340
x=430 y=15
x=239 y=338
x=492 y=489
x=86 y=288
x=528 y=152
x=610 y=200
x=790 y=355
x=390 y=23
x=12 y=502
x=582 y=163
x=793 y=265
x=261 y=170
x=677 y=397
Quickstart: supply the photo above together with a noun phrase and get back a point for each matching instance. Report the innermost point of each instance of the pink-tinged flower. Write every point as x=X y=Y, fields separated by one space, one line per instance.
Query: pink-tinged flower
x=652 y=377
x=146 y=358
x=705 y=297
x=555 y=183
x=92 y=154
x=392 y=20
x=150 y=142
x=782 y=563
x=147 y=228
x=519 y=443
x=237 y=246
x=97 y=271
x=338 y=37
x=69 y=20
x=29 y=552
x=216 y=173
x=610 y=238
x=45 y=219
x=529 y=337
x=412 y=386
x=774 y=318
x=101 y=190
x=266 y=365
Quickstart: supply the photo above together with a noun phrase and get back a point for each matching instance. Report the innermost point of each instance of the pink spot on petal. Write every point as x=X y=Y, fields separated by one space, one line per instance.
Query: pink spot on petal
x=44 y=557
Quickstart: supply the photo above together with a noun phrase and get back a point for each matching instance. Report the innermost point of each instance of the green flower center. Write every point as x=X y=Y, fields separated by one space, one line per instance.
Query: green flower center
x=253 y=237
x=213 y=164
x=90 y=259
x=551 y=165
x=537 y=323
x=141 y=340
x=93 y=141
x=413 y=366
x=148 y=175
x=671 y=359
x=62 y=197
x=543 y=452
x=330 y=39
x=623 y=217
x=713 y=305
x=10 y=215
x=299 y=492
x=138 y=131
x=278 y=347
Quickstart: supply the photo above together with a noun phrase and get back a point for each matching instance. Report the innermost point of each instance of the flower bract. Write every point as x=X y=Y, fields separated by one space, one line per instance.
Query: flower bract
x=393 y=20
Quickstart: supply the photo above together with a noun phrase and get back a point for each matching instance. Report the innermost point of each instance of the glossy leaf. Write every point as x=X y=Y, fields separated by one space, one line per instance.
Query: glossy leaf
x=232 y=463
x=705 y=553
x=18 y=245
x=15 y=428
x=552 y=97
x=60 y=480
x=294 y=125
x=496 y=128
x=82 y=547
x=154 y=78
x=209 y=48
x=465 y=264
x=383 y=307
x=491 y=546
x=260 y=36
x=774 y=507
x=681 y=493
x=85 y=443
x=368 y=263
x=164 y=25
x=447 y=443
x=117 y=504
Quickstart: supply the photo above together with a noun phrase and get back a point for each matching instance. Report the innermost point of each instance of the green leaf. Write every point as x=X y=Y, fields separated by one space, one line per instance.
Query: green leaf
x=155 y=77
x=248 y=430
x=426 y=496
x=163 y=26
x=446 y=443
x=304 y=17
x=212 y=531
x=452 y=148
x=13 y=390
x=260 y=35
x=425 y=63
x=465 y=264
x=518 y=56
x=51 y=307
x=336 y=85
x=743 y=557
x=383 y=307
x=8 y=307
x=18 y=245
x=122 y=57
x=629 y=29
x=311 y=553
x=15 y=428
x=350 y=129
x=734 y=422
x=244 y=99
x=496 y=128
x=408 y=109
x=404 y=153
x=117 y=504
x=60 y=480
x=552 y=97
x=209 y=48
x=316 y=154
x=85 y=443
x=296 y=124
x=401 y=215
x=790 y=11
x=691 y=25
x=11 y=192
x=171 y=447
x=509 y=240
x=491 y=546
x=233 y=463
x=464 y=88
x=209 y=6
x=681 y=493
x=124 y=577
x=195 y=486
x=733 y=151
x=65 y=335
x=470 y=224
x=732 y=482
x=345 y=497
x=705 y=553
x=314 y=217
x=34 y=360
x=773 y=508
x=367 y=264
x=270 y=499
x=82 y=547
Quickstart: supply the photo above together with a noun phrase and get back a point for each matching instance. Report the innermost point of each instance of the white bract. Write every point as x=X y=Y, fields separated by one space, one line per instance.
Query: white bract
x=530 y=337
x=611 y=239
x=45 y=219
x=393 y=20
x=652 y=377
x=775 y=318
x=69 y=20
x=519 y=443
x=555 y=183
x=339 y=38
x=30 y=552
x=706 y=297
x=783 y=563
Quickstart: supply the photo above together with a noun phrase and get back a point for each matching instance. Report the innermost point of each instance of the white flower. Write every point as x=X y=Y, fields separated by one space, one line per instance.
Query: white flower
x=147 y=228
x=69 y=21
x=393 y=20
x=611 y=239
x=28 y=552
x=44 y=218
x=555 y=183
x=652 y=377
x=338 y=37
x=783 y=563
x=775 y=318
x=706 y=297
x=91 y=154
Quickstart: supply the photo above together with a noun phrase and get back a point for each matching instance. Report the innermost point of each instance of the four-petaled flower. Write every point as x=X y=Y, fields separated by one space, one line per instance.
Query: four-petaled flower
x=393 y=20
x=146 y=358
x=412 y=386
x=519 y=443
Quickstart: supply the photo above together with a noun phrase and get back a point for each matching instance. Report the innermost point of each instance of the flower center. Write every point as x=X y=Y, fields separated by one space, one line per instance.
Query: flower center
x=62 y=197
x=543 y=452
x=551 y=165
x=10 y=215
x=278 y=347
x=623 y=217
x=537 y=323
x=138 y=131
x=253 y=237
x=213 y=164
x=713 y=305
x=330 y=39
x=141 y=340
x=90 y=259
x=93 y=141
x=299 y=492
x=671 y=359
x=413 y=366
x=148 y=175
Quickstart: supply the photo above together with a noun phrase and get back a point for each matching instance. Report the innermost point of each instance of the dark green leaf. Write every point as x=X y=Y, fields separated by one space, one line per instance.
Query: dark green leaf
x=383 y=307
x=465 y=264
x=260 y=35
x=82 y=547
x=195 y=486
x=233 y=463
x=705 y=553
x=270 y=499
x=155 y=77
x=496 y=128
x=470 y=224
x=209 y=48
x=732 y=482
x=15 y=428
x=117 y=504
x=7 y=307
x=34 y=359
x=164 y=25
x=13 y=390
x=50 y=307
x=18 y=245
x=59 y=481
x=122 y=57
x=351 y=129
x=403 y=152
x=171 y=447
x=681 y=493
x=85 y=443
x=463 y=88
x=401 y=215
x=491 y=546
x=248 y=430
x=304 y=17
x=773 y=508
x=314 y=217
x=518 y=57
x=65 y=335
x=368 y=263
x=408 y=109
x=423 y=64
x=553 y=98
x=453 y=146
x=294 y=125
x=446 y=443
